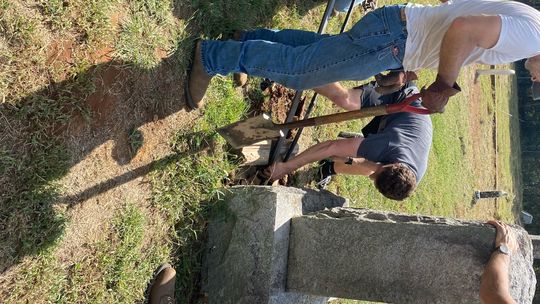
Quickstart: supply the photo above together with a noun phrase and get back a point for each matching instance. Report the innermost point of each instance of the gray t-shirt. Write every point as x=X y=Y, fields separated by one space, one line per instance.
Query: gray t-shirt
x=403 y=137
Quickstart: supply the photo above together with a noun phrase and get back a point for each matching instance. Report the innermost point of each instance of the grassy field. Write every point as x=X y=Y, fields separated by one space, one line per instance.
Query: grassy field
x=104 y=175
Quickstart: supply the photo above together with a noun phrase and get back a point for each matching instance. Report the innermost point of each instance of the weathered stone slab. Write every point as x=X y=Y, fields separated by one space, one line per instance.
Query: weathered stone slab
x=370 y=255
x=247 y=250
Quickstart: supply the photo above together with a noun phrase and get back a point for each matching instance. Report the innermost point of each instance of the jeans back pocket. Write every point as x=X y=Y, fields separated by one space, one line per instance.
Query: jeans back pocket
x=372 y=25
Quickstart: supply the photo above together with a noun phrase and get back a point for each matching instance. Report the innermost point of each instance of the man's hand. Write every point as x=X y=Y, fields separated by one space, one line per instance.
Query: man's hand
x=276 y=171
x=393 y=81
x=436 y=96
x=504 y=236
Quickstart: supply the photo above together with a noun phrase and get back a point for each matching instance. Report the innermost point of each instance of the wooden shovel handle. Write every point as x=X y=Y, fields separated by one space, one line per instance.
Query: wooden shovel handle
x=403 y=106
x=333 y=118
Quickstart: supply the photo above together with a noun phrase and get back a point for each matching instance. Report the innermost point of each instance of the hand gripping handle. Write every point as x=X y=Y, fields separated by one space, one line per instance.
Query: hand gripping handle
x=405 y=106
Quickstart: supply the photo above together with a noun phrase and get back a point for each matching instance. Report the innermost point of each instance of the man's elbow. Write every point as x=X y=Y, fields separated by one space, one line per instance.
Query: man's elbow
x=478 y=31
x=460 y=25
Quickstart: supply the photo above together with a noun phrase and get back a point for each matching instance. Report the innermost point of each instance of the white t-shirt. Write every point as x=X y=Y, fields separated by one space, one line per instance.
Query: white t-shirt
x=426 y=26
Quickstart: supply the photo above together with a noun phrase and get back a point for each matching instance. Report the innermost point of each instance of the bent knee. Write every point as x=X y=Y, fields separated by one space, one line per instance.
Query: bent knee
x=342 y=100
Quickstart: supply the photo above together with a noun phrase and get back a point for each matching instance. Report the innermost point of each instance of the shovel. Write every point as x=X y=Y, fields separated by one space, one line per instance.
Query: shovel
x=248 y=131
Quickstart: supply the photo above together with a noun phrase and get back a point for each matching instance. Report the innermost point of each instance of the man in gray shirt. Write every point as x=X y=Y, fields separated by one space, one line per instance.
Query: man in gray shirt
x=393 y=153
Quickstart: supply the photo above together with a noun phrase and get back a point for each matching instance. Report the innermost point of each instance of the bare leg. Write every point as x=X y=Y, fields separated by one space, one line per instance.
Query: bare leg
x=332 y=148
x=348 y=99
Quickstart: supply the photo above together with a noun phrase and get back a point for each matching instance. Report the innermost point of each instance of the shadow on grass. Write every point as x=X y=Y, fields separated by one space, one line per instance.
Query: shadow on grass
x=105 y=102
x=119 y=180
x=221 y=18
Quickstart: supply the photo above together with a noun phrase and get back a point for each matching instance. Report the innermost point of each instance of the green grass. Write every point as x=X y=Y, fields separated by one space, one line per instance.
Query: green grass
x=93 y=26
x=39 y=97
x=115 y=269
x=31 y=162
x=148 y=28
x=33 y=157
x=45 y=77
x=121 y=261
x=509 y=161
x=185 y=188
x=56 y=13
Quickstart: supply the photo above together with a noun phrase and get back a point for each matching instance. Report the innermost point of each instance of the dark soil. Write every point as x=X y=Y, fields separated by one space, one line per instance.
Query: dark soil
x=276 y=100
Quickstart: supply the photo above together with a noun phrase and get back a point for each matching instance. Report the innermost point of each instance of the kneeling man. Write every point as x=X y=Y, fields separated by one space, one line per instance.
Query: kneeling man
x=393 y=153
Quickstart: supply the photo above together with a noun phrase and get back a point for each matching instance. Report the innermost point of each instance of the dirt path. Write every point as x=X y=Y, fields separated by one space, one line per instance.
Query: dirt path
x=132 y=116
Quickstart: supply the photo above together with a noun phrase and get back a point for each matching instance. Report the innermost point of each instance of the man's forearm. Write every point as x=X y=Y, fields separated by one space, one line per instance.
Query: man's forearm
x=455 y=48
x=331 y=148
x=312 y=154
x=462 y=37
x=494 y=287
x=359 y=166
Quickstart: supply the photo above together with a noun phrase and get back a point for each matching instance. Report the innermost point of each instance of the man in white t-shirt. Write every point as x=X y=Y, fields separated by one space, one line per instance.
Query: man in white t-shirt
x=460 y=32
x=410 y=38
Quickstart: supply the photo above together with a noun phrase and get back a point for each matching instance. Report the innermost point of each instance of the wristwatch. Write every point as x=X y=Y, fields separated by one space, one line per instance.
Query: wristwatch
x=503 y=249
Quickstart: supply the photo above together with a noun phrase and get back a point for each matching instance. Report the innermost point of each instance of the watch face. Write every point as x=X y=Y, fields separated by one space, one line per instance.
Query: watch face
x=504 y=249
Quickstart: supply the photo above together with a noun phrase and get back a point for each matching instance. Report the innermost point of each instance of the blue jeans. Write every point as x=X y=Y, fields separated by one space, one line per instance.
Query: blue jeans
x=302 y=60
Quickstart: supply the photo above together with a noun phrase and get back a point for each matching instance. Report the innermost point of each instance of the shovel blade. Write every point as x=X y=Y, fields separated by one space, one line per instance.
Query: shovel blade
x=249 y=131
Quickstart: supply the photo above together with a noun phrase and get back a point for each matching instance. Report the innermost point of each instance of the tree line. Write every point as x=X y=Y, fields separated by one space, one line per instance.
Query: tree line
x=529 y=122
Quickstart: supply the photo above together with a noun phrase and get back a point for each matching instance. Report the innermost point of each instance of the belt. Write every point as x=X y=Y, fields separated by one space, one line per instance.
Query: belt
x=402 y=15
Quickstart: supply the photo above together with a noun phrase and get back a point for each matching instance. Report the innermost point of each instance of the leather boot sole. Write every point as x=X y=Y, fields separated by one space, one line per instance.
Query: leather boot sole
x=162 y=289
x=197 y=81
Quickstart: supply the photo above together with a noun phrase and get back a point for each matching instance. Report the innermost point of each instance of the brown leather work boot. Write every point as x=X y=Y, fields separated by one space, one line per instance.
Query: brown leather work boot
x=162 y=291
x=198 y=80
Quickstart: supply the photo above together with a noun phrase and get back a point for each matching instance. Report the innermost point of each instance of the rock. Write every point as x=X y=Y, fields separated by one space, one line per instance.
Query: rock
x=378 y=256
x=247 y=249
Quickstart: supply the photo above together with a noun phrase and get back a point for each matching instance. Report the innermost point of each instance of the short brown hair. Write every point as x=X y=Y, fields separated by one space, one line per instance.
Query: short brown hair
x=396 y=181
